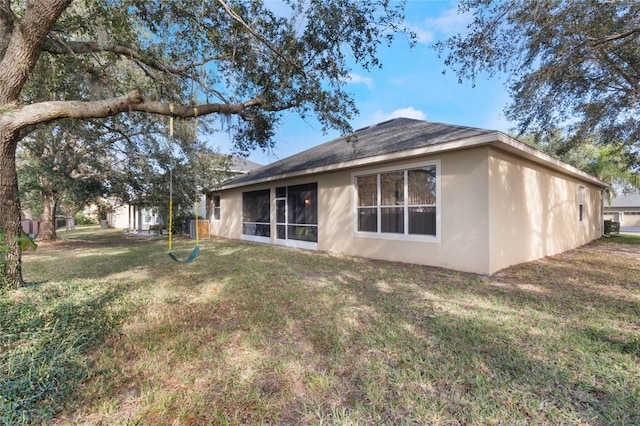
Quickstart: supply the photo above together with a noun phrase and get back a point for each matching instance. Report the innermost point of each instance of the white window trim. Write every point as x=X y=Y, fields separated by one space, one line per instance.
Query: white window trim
x=581 y=197
x=391 y=236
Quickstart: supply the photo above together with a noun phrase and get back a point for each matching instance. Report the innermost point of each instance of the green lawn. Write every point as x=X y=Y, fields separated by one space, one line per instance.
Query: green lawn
x=111 y=331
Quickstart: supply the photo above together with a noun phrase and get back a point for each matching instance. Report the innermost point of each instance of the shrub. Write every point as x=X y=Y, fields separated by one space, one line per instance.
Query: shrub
x=81 y=219
x=611 y=226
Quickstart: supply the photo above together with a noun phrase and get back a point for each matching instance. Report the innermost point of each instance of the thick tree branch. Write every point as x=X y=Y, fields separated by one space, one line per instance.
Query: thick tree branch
x=44 y=112
x=58 y=47
x=598 y=41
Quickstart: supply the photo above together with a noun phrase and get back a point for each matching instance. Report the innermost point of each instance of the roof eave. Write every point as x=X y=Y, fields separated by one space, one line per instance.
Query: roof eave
x=512 y=145
x=497 y=139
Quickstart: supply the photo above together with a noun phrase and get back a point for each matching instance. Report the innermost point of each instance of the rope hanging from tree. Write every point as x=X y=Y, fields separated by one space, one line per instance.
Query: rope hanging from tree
x=196 y=249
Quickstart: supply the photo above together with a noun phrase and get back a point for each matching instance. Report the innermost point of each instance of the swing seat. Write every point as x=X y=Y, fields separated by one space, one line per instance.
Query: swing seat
x=189 y=259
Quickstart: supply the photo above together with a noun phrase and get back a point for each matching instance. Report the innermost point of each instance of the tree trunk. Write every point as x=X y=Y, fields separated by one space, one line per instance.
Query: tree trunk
x=10 y=209
x=48 y=217
x=70 y=222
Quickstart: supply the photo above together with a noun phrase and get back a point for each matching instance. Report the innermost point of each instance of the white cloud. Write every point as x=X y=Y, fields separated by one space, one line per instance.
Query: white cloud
x=359 y=79
x=450 y=22
x=423 y=36
x=409 y=112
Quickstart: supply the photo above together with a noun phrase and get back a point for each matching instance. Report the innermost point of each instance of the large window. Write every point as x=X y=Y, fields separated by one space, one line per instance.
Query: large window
x=256 y=214
x=297 y=212
x=401 y=202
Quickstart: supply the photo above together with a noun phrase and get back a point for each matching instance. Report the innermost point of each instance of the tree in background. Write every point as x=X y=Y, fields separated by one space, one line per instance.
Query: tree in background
x=61 y=165
x=149 y=165
x=611 y=163
x=571 y=65
x=247 y=60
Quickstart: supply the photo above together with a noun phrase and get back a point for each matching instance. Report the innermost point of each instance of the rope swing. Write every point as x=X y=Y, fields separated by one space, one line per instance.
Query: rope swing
x=196 y=249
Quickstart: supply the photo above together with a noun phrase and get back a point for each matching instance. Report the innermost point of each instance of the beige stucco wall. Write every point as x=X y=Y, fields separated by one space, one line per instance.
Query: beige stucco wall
x=534 y=211
x=119 y=217
x=230 y=223
x=496 y=210
x=464 y=193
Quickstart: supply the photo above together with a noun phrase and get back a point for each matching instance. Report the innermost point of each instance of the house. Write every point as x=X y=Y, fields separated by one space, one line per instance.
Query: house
x=136 y=218
x=625 y=209
x=418 y=192
x=129 y=216
x=237 y=166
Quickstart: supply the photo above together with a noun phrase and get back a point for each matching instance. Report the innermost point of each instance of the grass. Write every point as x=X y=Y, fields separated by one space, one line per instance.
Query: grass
x=255 y=334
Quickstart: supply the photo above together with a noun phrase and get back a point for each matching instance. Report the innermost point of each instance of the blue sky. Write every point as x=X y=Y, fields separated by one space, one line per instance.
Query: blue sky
x=410 y=84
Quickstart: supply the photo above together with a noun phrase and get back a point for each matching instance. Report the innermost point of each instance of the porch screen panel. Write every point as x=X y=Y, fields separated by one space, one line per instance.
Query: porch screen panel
x=256 y=213
x=302 y=212
x=281 y=209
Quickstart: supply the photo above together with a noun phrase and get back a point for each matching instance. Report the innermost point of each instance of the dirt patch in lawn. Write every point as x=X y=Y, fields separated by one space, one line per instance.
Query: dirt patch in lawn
x=89 y=243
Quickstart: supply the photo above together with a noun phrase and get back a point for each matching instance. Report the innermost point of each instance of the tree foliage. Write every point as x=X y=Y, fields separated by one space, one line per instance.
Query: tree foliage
x=610 y=163
x=246 y=60
x=571 y=65
x=61 y=165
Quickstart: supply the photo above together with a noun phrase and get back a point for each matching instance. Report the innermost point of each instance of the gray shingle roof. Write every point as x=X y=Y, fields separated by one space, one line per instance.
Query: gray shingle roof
x=391 y=136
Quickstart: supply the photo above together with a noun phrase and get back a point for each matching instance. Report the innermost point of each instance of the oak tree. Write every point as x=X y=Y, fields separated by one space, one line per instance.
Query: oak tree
x=247 y=60
x=570 y=65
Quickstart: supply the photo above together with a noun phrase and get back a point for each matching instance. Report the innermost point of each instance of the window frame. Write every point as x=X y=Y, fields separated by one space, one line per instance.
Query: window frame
x=405 y=236
x=216 y=207
x=581 y=204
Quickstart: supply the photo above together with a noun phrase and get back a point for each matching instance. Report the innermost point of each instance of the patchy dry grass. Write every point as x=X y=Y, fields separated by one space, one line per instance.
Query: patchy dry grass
x=253 y=334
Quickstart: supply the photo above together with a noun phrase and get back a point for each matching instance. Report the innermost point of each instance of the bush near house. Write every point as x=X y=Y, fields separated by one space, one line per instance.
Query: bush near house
x=611 y=227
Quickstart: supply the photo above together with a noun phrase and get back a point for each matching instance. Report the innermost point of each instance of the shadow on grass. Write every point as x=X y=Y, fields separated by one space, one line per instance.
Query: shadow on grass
x=250 y=333
x=311 y=338
x=45 y=334
x=472 y=362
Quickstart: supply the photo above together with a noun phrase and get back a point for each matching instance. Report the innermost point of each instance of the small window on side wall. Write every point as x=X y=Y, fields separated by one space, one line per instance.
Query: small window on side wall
x=216 y=207
x=581 y=204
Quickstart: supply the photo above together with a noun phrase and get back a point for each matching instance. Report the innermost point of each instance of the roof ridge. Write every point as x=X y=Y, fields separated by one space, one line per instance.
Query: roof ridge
x=389 y=136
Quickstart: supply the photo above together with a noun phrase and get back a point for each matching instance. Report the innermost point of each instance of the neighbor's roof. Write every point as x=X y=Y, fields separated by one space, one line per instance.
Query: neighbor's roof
x=626 y=200
x=242 y=165
x=390 y=140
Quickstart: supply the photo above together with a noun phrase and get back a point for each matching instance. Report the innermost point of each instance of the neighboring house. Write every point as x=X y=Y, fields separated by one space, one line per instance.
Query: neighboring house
x=625 y=209
x=237 y=167
x=127 y=216
x=135 y=218
x=413 y=191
